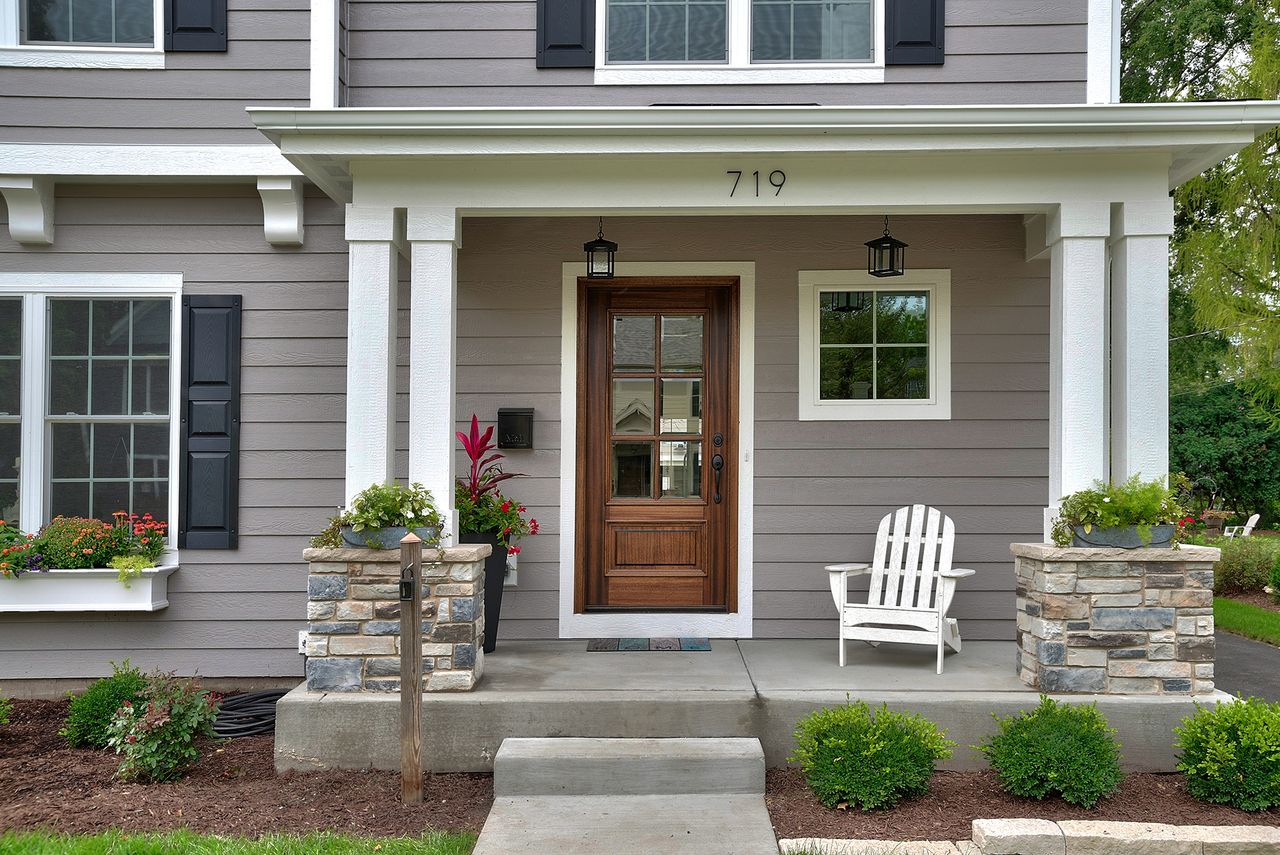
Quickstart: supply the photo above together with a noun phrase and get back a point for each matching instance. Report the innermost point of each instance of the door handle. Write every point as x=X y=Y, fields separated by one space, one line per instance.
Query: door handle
x=717 y=464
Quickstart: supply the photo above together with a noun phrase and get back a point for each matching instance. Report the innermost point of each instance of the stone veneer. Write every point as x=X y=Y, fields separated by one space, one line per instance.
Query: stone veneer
x=353 y=606
x=1115 y=621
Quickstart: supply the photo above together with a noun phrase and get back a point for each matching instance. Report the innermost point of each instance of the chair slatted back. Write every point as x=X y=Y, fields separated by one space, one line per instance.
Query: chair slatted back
x=913 y=546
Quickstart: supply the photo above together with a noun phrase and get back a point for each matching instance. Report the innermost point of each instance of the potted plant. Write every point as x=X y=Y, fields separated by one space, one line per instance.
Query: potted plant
x=123 y=565
x=1127 y=516
x=487 y=516
x=382 y=514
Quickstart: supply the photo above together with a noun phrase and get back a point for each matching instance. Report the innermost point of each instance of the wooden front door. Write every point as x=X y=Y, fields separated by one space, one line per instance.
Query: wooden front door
x=657 y=442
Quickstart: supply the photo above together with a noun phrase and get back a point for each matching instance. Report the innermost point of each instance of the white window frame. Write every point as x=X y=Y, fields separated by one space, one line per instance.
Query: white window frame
x=14 y=53
x=739 y=69
x=937 y=283
x=36 y=289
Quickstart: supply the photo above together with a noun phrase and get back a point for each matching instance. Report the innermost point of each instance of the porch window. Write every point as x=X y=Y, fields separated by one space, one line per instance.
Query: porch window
x=868 y=351
x=103 y=23
x=811 y=30
x=667 y=31
x=10 y=404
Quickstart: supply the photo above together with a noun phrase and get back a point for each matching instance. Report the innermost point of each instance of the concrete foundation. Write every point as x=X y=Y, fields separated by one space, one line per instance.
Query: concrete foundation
x=740 y=688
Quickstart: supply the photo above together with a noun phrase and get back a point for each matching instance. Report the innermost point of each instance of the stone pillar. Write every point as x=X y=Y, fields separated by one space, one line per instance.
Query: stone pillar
x=1115 y=621
x=353 y=609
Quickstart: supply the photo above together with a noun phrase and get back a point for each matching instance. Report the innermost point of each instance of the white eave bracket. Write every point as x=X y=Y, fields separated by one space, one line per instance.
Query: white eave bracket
x=281 y=210
x=30 y=202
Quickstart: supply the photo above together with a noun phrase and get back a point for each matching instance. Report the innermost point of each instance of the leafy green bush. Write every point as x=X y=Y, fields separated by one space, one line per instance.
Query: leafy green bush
x=1135 y=502
x=158 y=736
x=868 y=758
x=1230 y=754
x=1246 y=565
x=1056 y=748
x=1275 y=578
x=90 y=714
x=6 y=710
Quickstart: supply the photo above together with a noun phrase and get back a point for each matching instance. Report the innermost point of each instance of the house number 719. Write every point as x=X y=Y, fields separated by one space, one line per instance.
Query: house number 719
x=776 y=179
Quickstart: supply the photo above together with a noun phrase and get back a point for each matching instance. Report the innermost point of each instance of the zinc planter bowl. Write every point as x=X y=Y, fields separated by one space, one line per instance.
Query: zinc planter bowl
x=386 y=538
x=1123 y=537
x=96 y=590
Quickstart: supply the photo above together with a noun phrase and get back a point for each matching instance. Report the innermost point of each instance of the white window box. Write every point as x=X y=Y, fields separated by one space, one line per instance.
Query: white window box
x=88 y=590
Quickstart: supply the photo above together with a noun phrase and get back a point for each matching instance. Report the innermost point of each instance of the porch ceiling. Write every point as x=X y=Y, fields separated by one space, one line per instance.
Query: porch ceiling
x=1193 y=136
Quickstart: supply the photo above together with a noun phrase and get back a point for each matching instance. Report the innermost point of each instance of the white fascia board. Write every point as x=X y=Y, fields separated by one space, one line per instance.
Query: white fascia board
x=145 y=161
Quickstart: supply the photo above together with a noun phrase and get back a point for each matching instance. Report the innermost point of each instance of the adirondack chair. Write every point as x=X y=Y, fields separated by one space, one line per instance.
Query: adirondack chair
x=912 y=583
x=1233 y=531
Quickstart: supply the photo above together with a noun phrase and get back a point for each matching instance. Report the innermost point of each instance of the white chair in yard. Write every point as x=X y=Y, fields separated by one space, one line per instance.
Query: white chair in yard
x=912 y=584
x=1233 y=531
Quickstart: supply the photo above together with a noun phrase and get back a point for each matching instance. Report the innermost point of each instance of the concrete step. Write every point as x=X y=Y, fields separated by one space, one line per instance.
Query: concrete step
x=628 y=767
x=628 y=825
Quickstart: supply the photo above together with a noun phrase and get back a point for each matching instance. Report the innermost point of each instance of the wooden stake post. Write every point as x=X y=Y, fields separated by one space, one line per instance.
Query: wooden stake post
x=411 y=669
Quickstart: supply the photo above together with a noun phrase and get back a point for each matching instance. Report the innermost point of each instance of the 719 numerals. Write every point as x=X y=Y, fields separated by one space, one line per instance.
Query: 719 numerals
x=776 y=179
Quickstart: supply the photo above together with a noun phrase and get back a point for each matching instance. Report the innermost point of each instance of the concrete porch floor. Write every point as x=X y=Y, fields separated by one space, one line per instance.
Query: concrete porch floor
x=754 y=688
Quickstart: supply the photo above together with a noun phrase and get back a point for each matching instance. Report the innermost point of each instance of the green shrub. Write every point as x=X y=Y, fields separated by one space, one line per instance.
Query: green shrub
x=1275 y=578
x=1135 y=502
x=90 y=714
x=1056 y=748
x=1230 y=754
x=1246 y=566
x=868 y=758
x=6 y=710
x=158 y=736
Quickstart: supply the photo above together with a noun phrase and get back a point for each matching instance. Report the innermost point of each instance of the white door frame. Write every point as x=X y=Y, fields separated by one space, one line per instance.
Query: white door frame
x=657 y=624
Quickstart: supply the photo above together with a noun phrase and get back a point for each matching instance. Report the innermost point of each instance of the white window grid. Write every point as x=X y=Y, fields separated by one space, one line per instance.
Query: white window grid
x=875 y=345
x=13 y=53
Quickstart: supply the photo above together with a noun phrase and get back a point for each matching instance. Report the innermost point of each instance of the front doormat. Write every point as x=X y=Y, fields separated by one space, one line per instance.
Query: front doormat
x=625 y=645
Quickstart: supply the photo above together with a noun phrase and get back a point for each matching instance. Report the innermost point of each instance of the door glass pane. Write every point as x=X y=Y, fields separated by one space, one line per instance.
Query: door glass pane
x=845 y=374
x=681 y=468
x=633 y=406
x=682 y=406
x=902 y=318
x=682 y=342
x=632 y=470
x=844 y=317
x=902 y=372
x=633 y=343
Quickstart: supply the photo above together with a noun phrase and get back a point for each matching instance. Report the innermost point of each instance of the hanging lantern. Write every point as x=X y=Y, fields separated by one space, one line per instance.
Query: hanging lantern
x=600 y=255
x=886 y=255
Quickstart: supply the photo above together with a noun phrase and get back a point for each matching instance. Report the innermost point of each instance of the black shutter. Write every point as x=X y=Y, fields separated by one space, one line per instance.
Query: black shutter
x=566 y=34
x=913 y=32
x=210 y=463
x=195 y=25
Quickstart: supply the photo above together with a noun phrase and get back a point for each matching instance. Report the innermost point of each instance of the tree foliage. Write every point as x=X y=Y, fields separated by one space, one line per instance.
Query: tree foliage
x=1216 y=439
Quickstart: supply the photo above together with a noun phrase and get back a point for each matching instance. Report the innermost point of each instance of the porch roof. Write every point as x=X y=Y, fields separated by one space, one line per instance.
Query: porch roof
x=1194 y=136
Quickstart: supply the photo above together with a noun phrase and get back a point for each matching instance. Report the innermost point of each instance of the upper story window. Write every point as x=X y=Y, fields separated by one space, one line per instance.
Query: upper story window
x=88 y=22
x=811 y=30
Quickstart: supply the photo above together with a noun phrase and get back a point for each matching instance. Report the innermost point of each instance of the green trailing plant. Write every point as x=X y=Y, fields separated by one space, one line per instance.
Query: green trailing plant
x=1230 y=754
x=90 y=715
x=130 y=567
x=1137 y=503
x=868 y=758
x=1246 y=566
x=381 y=506
x=157 y=737
x=1059 y=748
x=331 y=537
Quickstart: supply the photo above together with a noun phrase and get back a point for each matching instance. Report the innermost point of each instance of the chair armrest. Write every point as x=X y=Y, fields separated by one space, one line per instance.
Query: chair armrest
x=956 y=573
x=848 y=569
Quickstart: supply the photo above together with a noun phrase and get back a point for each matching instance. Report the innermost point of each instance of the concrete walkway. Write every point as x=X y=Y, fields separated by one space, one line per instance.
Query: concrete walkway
x=1247 y=667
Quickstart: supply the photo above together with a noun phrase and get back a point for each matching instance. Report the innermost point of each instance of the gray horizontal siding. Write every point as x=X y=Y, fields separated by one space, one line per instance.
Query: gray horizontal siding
x=196 y=98
x=481 y=52
x=231 y=613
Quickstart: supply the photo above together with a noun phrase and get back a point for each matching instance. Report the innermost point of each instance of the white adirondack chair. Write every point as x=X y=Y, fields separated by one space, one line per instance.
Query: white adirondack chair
x=912 y=584
x=1233 y=531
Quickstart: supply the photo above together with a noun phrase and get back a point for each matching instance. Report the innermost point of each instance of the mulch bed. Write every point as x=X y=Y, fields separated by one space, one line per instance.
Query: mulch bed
x=955 y=799
x=233 y=790
x=1255 y=598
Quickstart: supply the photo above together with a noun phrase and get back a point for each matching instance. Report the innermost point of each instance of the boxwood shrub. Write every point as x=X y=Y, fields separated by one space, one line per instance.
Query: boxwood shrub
x=1056 y=748
x=1230 y=753
x=868 y=758
x=90 y=715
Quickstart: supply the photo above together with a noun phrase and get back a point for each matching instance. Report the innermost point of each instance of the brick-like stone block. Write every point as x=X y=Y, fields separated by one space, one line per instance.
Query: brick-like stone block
x=1072 y=680
x=463 y=609
x=335 y=628
x=1199 y=649
x=354 y=610
x=1128 y=653
x=1055 y=583
x=324 y=609
x=1180 y=598
x=451 y=681
x=382 y=684
x=1087 y=657
x=1203 y=670
x=453 y=633
x=333 y=675
x=1136 y=619
x=1064 y=607
x=326 y=587
x=1051 y=653
x=1108 y=585
x=387 y=610
x=1165 y=580
x=1094 y=638
x=1133 y=685
x=318 y=645
x=1116 y=601
x=361 y=645
x=433 y=649
x=454 y=589
x=464 y=655
x=1093 y=569
x=1143 y=668
x=1200 y=579
x=327 y=567
x=1018 y=837
x=375 y=592
x=382 y=627
x=1160 y=651
x=382 y=666
x=1176 y=686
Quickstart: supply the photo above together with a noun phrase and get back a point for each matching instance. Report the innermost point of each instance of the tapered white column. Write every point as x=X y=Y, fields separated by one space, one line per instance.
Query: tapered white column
x=1077 y=235
x=371 y=347
x=1140 y=338
x=433 y=239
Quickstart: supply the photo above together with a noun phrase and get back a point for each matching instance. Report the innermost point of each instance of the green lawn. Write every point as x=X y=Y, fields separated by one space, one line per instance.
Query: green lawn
x=1247 y=620
x=186 y=843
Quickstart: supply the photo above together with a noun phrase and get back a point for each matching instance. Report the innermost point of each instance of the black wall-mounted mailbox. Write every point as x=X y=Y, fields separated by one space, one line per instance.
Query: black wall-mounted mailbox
x=515 y=427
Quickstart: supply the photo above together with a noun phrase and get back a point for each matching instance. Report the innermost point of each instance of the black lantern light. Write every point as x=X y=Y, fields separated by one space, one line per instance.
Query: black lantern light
x=600 y=255
x=886 y=255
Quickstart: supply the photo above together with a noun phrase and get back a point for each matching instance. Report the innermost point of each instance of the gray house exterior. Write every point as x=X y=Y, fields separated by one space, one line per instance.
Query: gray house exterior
x=397 y=193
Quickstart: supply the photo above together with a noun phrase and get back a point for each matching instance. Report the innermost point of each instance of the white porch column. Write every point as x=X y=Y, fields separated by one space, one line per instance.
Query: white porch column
x=434 y=238
x=1077 y=235
x=371 y=347
x=1140 y=338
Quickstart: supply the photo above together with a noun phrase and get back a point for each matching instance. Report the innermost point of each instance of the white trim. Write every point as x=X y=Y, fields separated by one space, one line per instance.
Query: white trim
x=1103 y=78
x=93 y=590
x=145 y=161
x=938 y=406
x=282 y=209
x=30 y=200
x=735 y=625
x=15 y=54
x=324 y=53
x=36 y=289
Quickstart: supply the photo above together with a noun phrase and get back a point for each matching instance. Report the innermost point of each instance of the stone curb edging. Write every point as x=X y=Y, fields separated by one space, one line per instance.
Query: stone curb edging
x=836 y=846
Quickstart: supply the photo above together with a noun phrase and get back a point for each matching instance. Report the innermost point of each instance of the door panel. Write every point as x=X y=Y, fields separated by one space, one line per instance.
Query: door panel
x=657 y=409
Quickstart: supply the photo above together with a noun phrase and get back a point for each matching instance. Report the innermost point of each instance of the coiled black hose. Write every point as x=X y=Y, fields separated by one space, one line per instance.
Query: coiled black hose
x=248 y=714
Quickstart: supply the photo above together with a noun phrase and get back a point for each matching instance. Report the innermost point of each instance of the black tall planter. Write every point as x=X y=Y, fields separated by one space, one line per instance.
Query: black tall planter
x=495 y=576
